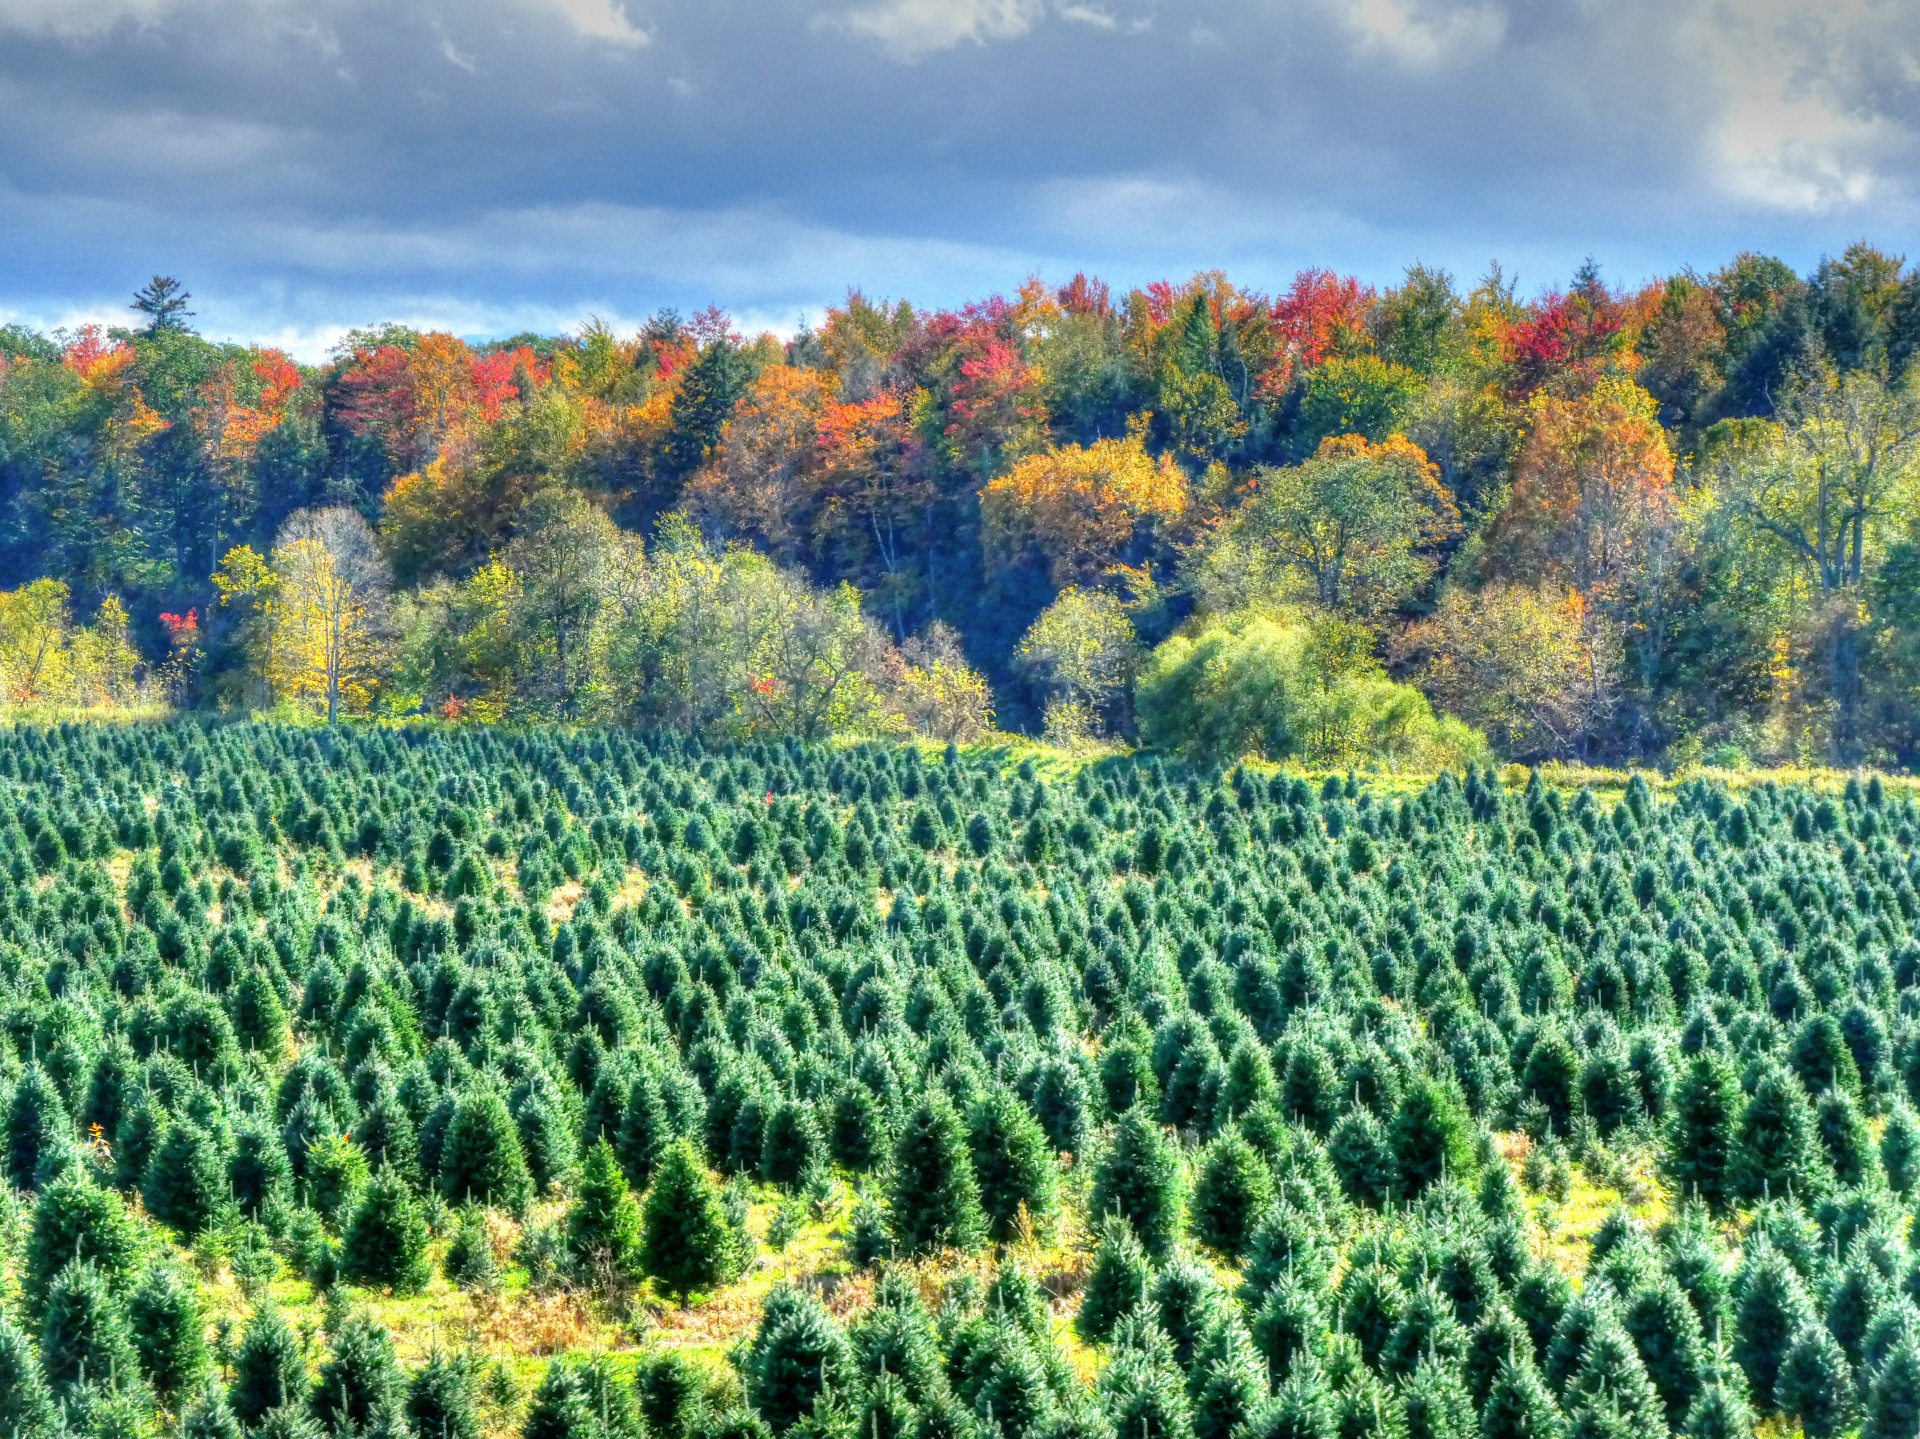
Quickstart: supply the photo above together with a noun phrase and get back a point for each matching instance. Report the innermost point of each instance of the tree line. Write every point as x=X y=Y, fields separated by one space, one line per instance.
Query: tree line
x=1425 y=524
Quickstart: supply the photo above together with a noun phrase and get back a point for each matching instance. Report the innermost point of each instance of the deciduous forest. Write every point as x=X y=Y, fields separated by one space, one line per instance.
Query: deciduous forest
x=1413 y=527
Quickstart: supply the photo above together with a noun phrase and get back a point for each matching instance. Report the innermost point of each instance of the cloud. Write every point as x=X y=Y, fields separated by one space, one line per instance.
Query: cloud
x=913 y=29
x=1419 y=33
x=307 y=164
x=77 y=19
x=601 y=20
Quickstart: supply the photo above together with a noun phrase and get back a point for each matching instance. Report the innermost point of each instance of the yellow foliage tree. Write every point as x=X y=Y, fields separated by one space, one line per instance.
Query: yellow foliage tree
x=1080 y=506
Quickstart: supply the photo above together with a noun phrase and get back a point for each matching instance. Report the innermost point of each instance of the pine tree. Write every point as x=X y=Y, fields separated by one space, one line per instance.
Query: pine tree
x=1186 y=1304
x=481 y=1160
x=1012 y=1164
x=858 y=1138
x=164 y=1315
x=83 y=1334
x=1117 y=1285
x=469 y=1261
x=1900 y=1147
x=797 y=1352
x=1140 y=1178
x=39 y=1133
x=209 y=1416
x=185 y=1185
x=603 y=1223
x=257 y=1172
x=1290 y=1322
x=358 y=1379
x=441 y=1399
x=1721 y=1410
x=1301 y=1408
x=790 y=1145
x=1702 y=1150
x=1228 y=1380
x=1815 y=1384
x=1430 y=1138
x=1846 y=1140
x=268 y=1371
x=935 y=1200
x=1666 y=1333
x=1141 y=1390
x=1362 y=1158
x=690 y=1243
x=1893 y=1399
x=1233 y=1190
x=1773 y=1307
x=560 y=1408
x=672 y=1397
x=335 y=1172
x=1437 y=1403
x=74 y=1219
x=1427 y=1330
x=1371 y=1302
x=1779 y=1151
x=25 y=1406
x=385 y=1244
x=1519 y=1405
x=1611 y=1393
x=1497 y=1338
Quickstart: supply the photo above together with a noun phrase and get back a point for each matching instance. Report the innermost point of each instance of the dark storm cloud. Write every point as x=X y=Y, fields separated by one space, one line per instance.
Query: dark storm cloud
x=494 y=164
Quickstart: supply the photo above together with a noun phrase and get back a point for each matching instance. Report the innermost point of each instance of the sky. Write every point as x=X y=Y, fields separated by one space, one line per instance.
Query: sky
x=494 y=166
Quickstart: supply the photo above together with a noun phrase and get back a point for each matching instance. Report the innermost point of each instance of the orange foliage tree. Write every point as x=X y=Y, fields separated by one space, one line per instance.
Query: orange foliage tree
x=757 y=486
x=1081 y=506
x=1594 y=479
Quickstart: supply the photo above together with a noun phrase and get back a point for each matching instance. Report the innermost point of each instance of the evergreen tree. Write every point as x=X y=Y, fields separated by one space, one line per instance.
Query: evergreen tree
x=1611 y=1393
x=1290 y=1322
x=1116 y=1286
x=268 y=1371
x=1779 y=1151
x=1301 y=1408
x=1140 y=1178
x=1012 y=1164
x=1498 y=1337
x=1519 y=1405
x=481 y=1160
x=76 y=1220
x=26 y=1408
x=1233 y=1190
x=469 y=1261
x=1437 y=1403
x=797 y=1352
x=1363 y=1158
x=1427 y=1329
x=790 y=1145
x=560 y=1408
x=859 y=1136
x=257 y=1171
x=935 y=1200
x=603 y=1224
x=1772 y=1309
x=164 y=1316
x=209 y=1417
x=1900 y=1147
x=1666 y=1333
x=1228 y=1380
x=1141 y=1390
x=672 y=1397
x=359 y=1378
x=441 y=1399
x=39 y=1133
x=1815 y=1384
x=185 y=1183
x=385 y=1244
x=1702 y=1151
x=83 y=1333
x=1893 y=1398
x=1430 y=1138
x=1720 y=1411
x=1846 y=1140
x=690 y=1242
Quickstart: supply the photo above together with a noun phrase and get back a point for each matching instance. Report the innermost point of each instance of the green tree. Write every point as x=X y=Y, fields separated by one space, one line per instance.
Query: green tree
x=441 y=1399
x=168 y=1332
x=934 y=1200
x=185 y=1184
x=1779 y=1145
x=1519 y=1405
x=268 y=1370
x=1773 y=1309
x=82 y=1330
x=797 y=1354
x=1117 y=1284
x=385 y=1243
x=39 y=1133
x=25 y=1406
x=1815 y=1384
x=1012 y=1163
x=1666 y=1332
x=1431 y=1138
x=690 y=1241
x=604 y=1225
x=1438 y=1405
x=1141 y=1179
x=359 y=1379
x=76 y=1220
x=1232 y=1191
x=1893 y=1398
x=1702 y=1153
x=481 y=1160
